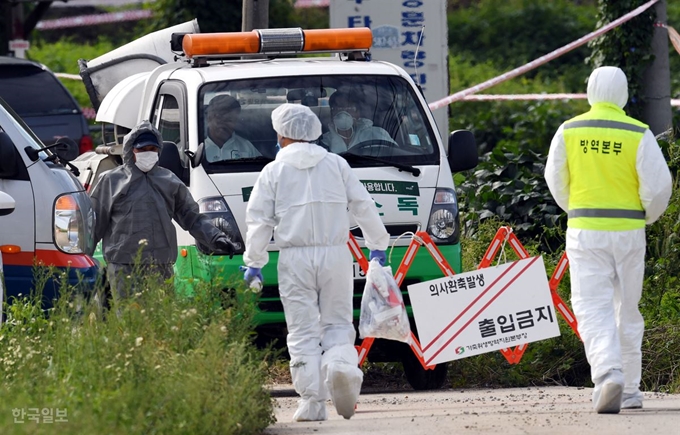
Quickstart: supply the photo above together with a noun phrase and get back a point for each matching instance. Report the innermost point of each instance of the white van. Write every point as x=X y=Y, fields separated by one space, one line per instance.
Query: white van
x=7 y=205
x=52 y=221
x=409 y=176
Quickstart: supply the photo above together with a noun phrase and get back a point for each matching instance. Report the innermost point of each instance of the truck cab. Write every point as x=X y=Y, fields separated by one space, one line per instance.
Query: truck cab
x=406 y=166
x=52 y=221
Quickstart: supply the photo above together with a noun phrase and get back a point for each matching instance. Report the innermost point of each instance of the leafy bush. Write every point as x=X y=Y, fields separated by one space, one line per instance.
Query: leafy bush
x=512 y=33
x=509 y=183
x=493 y=122
x=156 y=363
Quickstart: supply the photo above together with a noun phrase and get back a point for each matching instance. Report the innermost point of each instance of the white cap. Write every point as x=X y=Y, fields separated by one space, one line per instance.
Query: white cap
x=296 y=122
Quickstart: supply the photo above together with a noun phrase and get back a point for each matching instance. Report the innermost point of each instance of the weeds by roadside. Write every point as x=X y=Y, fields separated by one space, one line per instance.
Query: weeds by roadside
x=156 y=363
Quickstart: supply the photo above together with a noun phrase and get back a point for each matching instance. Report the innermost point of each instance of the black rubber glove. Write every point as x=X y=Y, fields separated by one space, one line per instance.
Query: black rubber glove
x=223 y=244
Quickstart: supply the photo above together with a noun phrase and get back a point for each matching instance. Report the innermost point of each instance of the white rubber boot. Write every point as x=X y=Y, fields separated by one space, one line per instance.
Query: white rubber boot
x=305 y=371
x=608 y=393
x=343 y=378
x=632 y=401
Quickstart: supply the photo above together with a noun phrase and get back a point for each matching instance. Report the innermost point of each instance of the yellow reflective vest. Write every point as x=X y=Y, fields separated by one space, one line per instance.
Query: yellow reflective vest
x=602 y=147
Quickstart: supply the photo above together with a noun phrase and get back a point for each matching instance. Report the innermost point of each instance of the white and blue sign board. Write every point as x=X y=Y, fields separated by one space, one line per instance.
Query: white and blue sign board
x=482 y=311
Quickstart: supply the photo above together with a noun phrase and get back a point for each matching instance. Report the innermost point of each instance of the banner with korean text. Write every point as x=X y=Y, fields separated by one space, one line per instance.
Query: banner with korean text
x=484 y=310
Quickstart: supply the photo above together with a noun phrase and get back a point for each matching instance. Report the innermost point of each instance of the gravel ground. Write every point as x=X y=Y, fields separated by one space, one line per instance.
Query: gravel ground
x=535 y=410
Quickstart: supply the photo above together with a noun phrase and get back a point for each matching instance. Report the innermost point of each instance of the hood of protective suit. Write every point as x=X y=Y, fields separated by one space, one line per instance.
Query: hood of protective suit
x=608 y=84
x=129 y=140
x=301 y=155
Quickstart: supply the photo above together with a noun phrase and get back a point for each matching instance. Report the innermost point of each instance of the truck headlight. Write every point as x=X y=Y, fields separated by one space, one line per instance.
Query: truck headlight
x=444 y=221
x=221 y=216
x=73 y=223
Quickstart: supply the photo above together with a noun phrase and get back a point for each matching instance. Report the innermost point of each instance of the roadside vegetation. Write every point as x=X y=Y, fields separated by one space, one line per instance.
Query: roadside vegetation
x=157 y=363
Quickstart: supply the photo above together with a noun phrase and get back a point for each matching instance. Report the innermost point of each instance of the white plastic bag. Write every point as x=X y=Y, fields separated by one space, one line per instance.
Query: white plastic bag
x=383 y=314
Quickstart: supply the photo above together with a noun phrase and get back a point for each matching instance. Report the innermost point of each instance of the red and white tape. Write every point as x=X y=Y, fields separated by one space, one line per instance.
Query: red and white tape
x=540 y=61
x=526 y=97
x=90 y=20
x=312 y=3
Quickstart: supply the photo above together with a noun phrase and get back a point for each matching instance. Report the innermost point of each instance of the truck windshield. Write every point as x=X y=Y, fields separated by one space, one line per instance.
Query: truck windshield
x=372 y=116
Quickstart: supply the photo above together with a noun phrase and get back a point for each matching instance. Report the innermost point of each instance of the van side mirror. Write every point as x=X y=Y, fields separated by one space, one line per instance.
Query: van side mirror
x=65 y=148
x=463 y=153
x=7 y=204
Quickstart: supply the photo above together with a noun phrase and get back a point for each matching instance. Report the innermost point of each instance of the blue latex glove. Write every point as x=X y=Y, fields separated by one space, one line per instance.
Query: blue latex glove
x=380 y=255
x=251 y=273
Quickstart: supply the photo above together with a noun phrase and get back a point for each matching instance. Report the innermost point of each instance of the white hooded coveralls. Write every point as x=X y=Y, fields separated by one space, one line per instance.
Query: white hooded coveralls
x=607 y=267
x=303 y=196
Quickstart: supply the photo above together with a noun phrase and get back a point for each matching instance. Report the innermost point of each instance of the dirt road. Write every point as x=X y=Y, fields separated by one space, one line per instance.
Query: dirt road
x=550 y=411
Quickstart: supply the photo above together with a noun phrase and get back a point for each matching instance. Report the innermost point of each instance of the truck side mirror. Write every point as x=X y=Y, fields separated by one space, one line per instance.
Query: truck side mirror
x=463 y=153
x=195 y=157
x=7 y=204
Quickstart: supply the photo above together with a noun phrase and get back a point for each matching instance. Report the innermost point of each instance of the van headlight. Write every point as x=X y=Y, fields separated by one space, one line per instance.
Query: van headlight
x=221 y=216
x=73 y=223
x=444 y=226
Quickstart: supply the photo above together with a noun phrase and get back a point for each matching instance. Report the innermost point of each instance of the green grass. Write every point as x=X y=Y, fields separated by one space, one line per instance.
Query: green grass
x=162 y=364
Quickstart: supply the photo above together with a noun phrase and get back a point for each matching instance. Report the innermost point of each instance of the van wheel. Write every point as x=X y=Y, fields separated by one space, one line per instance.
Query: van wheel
x=421 y=379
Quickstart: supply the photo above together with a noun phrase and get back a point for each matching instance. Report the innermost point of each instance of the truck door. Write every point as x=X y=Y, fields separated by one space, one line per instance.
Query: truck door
x=17 y=232
x=169 y=117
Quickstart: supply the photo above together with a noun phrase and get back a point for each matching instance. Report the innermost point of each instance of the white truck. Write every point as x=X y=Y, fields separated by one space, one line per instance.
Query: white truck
x=170 y=77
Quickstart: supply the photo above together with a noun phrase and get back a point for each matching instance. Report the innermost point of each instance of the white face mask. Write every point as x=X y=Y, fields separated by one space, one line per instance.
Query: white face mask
x=146 y=160
x=343 y=121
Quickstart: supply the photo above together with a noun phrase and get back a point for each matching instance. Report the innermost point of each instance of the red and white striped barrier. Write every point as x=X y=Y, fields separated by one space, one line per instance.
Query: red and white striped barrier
x=540 y=61
x=312 y=3
x=90 y=20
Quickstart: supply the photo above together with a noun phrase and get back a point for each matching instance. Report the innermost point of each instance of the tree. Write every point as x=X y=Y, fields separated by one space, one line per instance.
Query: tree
x=630 y=47
x=215 y=16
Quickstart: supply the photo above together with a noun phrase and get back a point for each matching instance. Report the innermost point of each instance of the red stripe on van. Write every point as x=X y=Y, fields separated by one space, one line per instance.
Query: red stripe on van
x=48 y=258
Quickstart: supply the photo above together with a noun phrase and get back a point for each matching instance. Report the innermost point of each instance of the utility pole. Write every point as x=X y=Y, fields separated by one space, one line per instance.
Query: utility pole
x=656 y=80
x=255 y=15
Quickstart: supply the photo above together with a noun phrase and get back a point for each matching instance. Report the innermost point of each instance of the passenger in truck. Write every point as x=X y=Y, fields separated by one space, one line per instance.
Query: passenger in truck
x=347 y=128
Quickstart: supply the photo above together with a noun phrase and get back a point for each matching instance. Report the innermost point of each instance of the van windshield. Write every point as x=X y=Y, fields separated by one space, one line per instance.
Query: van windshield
x=32 y=91
x=374 y=116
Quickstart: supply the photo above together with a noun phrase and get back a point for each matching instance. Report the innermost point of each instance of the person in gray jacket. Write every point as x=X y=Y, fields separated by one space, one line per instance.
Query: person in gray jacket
x=134 y=206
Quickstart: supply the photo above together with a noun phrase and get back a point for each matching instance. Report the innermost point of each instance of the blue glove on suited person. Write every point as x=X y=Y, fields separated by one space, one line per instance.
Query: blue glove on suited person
x=251 y=273
x=380 y=255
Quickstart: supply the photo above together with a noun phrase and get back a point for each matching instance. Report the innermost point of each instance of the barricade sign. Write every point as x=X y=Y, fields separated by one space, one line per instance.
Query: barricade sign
x=484 y=310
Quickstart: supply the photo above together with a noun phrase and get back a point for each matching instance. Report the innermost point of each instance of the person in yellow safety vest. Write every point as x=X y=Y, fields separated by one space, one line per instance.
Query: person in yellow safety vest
x=606 y=170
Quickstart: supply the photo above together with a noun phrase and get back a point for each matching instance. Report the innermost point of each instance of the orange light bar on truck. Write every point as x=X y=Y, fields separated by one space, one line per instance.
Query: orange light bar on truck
x=359 y=38
x=197 y=44
x=276 y=41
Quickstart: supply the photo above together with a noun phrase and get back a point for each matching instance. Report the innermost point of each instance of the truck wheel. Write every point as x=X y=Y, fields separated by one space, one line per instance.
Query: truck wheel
x=421 y=379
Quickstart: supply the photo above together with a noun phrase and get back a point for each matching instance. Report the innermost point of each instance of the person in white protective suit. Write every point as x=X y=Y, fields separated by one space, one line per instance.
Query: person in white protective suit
x=303 y=197
x=606 y=170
